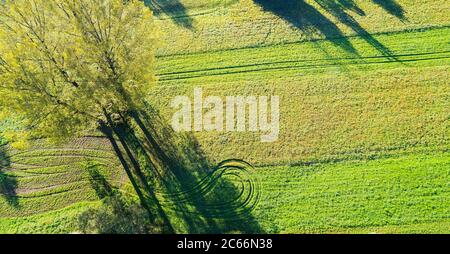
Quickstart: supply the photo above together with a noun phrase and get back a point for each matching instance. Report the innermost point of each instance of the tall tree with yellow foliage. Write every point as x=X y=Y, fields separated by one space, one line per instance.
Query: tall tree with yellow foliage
x=70 y=67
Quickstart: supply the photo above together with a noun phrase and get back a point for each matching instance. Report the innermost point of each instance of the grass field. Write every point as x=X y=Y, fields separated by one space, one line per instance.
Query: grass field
x=46 y=178
x=365 y=106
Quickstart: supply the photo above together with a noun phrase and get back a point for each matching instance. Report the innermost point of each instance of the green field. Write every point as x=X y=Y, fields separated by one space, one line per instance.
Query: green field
x=365 y=109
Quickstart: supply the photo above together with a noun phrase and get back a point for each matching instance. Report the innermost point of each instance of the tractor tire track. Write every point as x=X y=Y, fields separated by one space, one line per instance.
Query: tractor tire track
x=245 y=200
x=280 y=65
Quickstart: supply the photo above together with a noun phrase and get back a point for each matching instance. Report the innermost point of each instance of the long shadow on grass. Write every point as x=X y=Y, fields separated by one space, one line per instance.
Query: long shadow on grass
x=306 y=18
x=98 y=182
x=8 y=184
x=146 y=195
x=176 y=182
x=117 y=213
x=392 y=7
x=175 y=10
x=338 y=10
x=310 y=20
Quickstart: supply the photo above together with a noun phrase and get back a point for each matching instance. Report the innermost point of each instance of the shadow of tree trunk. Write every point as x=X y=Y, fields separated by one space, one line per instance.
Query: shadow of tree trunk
x=118 y=213
x=309 y=19
x=338 y=10
x=174 y=180
x=140 y=185
x=174 y=9
x=8 y=183
x=393 y=8
x=180 y=165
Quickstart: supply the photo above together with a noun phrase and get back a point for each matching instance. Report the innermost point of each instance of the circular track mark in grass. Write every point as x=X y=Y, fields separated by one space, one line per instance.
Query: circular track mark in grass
x=231 y=189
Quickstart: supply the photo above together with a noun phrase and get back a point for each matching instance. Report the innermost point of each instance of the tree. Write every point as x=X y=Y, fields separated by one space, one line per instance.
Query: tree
x=68 y=66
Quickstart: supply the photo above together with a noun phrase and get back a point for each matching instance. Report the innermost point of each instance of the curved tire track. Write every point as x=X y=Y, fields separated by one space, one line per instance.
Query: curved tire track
x=246 y=197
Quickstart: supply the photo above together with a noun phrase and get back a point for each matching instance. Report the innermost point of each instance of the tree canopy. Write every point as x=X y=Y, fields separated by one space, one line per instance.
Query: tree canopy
x=65 y=66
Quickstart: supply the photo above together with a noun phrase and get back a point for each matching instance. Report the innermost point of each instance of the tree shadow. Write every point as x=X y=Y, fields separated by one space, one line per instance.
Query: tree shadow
x=98 y=182
x=392 y=7
x=351 y=6
x=8 y=183
x=175 y=10
x=181 y=166
x=338 y=10
x=137 y=179
x=306 y=18
x=177 y=181
x=117 y=214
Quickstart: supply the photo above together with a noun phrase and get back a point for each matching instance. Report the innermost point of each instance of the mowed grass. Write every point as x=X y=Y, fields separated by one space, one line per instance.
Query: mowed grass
x=369 y=112
x=332 y=108
x=418 y=48
x=382 y=196
x=62 y=221
x=46 y=178
x=406 y=194
x=253 y=23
